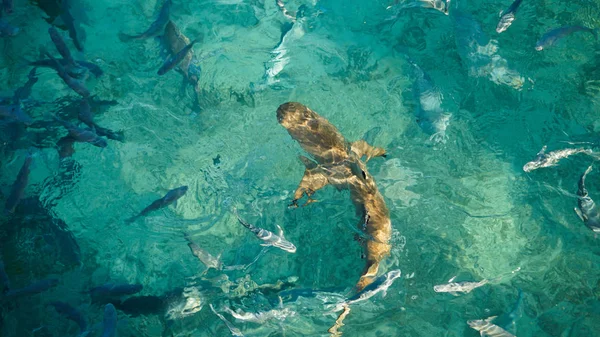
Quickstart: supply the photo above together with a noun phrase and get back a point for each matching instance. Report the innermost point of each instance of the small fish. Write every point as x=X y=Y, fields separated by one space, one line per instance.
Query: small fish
x=16 y=113
x=24 y=92
x=7 y=5
x=458 y=287
x=72 y=83
x=587 y=211
x=34 y=288
x=4 y=280
x=550 y=159
x=18 y=189
x=508 y=16
x=554 y=35
x=261 y=317
x=72 y=71
x=204 y=256
x=486 y=328
x=234 y=331
x=170 y=198
x=7 y=30
x=82 y=135
x=115 y=290
x=61 y=46
x=110 y=321
x=71 y=313
x=380 y=284
x=157 y=27
x=268 y=238
x=174 y=60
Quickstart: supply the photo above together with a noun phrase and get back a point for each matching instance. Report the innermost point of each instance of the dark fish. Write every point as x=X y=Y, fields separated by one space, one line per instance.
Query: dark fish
x=171 y=197
x=76 y=33
x=25 y=91
x=174 y=60
x=588 y=211
x=110 y=321
x=18 y=188
x=554 y=35
x=115 y=290
x=157 y=26
x=4 y=280
x=72 y=71
x=7 y=30
x=72 y=83
x=34 y=288
x=81 y=135
x=508 y=16
x=61 y=46
x=110 y=134
x=7 y=5
x=15 y=112
x=71 y=313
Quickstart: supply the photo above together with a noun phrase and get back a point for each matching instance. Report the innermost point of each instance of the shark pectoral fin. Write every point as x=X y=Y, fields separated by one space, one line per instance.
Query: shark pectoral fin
x=313 y=180
x=579 y=214
x=362 y=148
x=491 y=318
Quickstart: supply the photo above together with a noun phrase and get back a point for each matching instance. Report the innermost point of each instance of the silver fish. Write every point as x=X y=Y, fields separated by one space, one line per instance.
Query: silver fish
x=587 y=211
x=234 y=331
x=549 y=159
x=269 y=238
x=458 y=287
x=508 y=16
x=204 y=256
x=261 y=317
x=487 y=328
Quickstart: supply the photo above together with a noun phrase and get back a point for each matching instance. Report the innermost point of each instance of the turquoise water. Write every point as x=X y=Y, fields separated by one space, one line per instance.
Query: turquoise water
x=460 y=204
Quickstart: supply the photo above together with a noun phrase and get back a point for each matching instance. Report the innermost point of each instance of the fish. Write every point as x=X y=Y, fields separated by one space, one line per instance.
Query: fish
x=268 y=238
x=205 y=257
x=487 y=328
x=431 y=117
x=439 y=5
x=71 y=313
x=115 y=290
x=72 y=83
x=15 y=112
x=76 y=33
x=380 y=285
x=234 y=331
x=587 y=210
x=337 y=162
x=170 y=198
x=554 y=35
x=61 y=46
x=72 y=71
x=110 y=321
x=261 y=317
x=24 y=92
x=458 y=287
x=156 y=28
x=7 y=6
x=550 y=159
x=508 y=16
x=82 y=135
x=175 y=59
x=34 y=288
x=18 y=188
x=4 y=280
x=7 y=30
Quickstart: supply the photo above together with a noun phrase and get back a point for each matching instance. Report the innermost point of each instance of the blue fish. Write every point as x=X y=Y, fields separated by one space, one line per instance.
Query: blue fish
x=554 y=35
x=34 y=288
x=170 y=198
x=157 y=27
x=61 y=46
x=110 y=321
x=15 y=112
x=18 y=189
x=72 y=83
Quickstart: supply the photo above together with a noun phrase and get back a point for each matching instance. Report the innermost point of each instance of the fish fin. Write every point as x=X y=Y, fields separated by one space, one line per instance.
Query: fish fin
x=313 y=180
x=490 y=319
x=362 y=148
x=542 y=151
x=280 y=232
x=452 y=279
x=500 y=14
x=579 y=214
x=175 y=204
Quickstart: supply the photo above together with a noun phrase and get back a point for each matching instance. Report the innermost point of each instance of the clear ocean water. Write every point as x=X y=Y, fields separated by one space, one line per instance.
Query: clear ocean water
x=461 y=205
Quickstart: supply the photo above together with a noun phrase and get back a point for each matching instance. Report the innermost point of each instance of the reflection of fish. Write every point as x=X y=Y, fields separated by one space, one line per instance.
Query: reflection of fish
x=110 y=321
x=340 y=164
x=204 y=256
x=458 y=287
x=170 y=198
x=587 y=211
x=18 y=189
x=487 y=328
x=71 y=313
x=269 y=238
x=554 y=35
x=508 y=16
x=156 y=28
x=550 y=159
